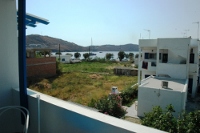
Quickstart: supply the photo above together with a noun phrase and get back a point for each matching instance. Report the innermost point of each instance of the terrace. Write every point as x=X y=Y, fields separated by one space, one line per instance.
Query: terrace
x=47 y=114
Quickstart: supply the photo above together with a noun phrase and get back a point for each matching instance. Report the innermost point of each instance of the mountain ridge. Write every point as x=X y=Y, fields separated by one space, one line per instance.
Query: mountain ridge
x=66 y=46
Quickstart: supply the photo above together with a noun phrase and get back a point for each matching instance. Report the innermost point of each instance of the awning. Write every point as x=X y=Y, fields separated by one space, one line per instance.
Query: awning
x=31 y=20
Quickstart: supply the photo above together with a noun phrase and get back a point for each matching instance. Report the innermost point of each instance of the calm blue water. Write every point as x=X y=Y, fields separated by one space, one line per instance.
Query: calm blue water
x=101 y=54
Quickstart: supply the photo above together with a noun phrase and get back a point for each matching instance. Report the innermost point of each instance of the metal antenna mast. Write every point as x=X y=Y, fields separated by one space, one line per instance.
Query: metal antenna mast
x=149 y=32
x=197 y=29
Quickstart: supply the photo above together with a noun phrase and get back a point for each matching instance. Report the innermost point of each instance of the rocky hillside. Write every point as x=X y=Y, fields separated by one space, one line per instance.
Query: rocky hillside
x=66 y=46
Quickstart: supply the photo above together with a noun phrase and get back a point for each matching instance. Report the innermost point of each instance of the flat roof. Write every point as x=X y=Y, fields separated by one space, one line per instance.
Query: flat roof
x=127 y=68
x=156 y=82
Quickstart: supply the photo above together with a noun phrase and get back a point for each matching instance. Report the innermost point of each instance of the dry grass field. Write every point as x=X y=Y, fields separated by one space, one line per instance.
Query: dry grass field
x=84 y=81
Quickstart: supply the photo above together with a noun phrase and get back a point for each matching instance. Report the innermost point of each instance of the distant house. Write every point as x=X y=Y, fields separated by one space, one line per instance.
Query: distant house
x=173 y=61
x=39 y=62
x=63 y=58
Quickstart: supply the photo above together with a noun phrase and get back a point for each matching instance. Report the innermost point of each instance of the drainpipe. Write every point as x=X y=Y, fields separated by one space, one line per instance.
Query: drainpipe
x=187 y=62
x=139 y=67
x=22 y=52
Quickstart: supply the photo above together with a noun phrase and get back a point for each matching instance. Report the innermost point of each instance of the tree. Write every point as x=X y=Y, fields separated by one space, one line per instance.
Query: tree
x=164 y=120
x=109 y=56
x=77 y=55
x=121 y=55
x=126 y=55
x=86 y=55
x=131 y=55
x=58 y=53
x=69 y=54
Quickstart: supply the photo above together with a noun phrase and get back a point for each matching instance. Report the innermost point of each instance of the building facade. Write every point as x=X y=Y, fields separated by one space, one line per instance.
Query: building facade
x=176 y=58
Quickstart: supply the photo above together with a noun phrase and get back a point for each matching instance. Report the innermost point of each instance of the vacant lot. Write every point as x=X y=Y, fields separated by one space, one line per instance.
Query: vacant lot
x=84 y=81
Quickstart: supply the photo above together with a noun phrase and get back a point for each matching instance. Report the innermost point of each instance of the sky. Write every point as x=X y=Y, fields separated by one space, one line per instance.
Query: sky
x=115 y=22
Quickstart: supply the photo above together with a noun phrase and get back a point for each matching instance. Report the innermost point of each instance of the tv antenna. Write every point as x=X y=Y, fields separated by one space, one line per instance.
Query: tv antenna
x=149 y=31
x=197 y=29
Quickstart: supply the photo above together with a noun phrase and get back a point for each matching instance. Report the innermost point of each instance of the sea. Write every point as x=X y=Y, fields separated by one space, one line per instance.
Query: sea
x=99 y=54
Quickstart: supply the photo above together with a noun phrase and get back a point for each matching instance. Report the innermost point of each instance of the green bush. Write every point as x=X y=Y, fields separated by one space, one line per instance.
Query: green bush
x=129 y=95
x=189 y=122
x=164 y=120
x=109 y=105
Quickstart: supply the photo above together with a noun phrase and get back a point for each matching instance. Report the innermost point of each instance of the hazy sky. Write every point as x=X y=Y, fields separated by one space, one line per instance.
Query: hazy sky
x=115 y=21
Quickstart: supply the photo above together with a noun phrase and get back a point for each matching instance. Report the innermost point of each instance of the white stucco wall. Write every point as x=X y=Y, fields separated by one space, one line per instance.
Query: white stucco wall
x=67 y=58
x=148 y=42
x=150 y=97
x=8 y=50
x=173 y=43
x=177 y=71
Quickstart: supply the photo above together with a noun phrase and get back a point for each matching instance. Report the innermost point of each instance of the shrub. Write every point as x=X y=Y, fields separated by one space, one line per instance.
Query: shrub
x=164 y=120
x=109 y=56
x=189 y=122
x=109 y=105
x=129 y=95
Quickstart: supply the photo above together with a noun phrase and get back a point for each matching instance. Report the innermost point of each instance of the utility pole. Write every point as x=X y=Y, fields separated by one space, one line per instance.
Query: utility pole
x=59 y=52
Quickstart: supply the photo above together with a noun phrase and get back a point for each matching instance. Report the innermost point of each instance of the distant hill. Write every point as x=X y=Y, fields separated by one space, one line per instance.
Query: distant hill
x=125 y=47
x=66 y=46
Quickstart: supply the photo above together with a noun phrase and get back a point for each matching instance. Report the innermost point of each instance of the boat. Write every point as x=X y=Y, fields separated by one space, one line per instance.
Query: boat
x=90 y=53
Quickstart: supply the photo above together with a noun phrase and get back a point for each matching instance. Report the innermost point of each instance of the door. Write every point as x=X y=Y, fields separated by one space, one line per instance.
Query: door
x=165 y=58
x=190 y=84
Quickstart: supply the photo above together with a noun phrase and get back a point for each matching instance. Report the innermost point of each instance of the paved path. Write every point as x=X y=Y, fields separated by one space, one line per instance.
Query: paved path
x=132 y=110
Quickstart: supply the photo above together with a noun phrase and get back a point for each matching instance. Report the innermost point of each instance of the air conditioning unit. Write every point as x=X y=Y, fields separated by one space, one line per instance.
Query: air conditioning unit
x=164 y=84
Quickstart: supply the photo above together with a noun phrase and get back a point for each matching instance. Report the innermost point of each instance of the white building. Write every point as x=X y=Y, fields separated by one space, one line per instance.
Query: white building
x=170 y=58
x=161 y=91
x=63 y=58
x=51 y=114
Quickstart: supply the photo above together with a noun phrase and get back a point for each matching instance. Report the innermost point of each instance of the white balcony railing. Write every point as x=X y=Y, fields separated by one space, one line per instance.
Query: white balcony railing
x=60 y=116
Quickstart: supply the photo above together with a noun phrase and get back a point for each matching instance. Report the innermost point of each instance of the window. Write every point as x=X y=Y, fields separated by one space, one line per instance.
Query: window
x=153 y=64
x=150 y=56
x=165 y=58
x=146 y=56
x=191 y=58
x=160 y=56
